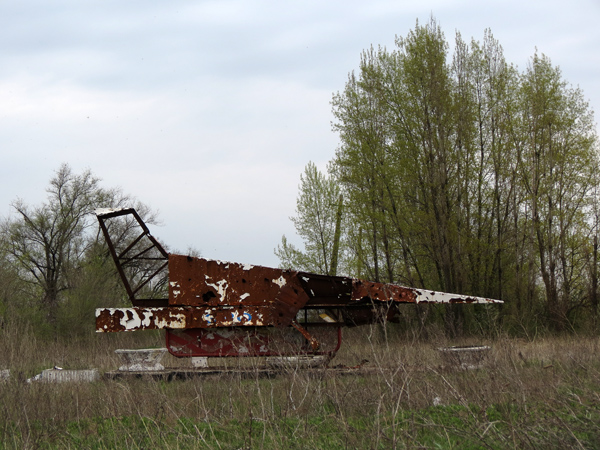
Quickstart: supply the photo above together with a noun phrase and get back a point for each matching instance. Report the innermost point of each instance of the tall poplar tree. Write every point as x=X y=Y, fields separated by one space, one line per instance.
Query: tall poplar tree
x=318 y=222
x=559 y=167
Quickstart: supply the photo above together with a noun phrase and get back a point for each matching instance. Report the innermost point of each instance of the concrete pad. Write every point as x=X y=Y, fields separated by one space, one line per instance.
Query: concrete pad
x=466 y=358
x=199 y=361
x=66 y=376
x=139 y=360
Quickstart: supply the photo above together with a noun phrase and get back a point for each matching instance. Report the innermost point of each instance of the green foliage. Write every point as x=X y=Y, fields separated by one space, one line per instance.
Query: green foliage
x=461 y=174
x=559 y=168
x=318 y=210
x=55 y=269
x=47 y=241
x=445 y=427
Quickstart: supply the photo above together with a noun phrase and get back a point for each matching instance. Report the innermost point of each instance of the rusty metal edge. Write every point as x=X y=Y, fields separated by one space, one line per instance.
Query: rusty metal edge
x=179 y=318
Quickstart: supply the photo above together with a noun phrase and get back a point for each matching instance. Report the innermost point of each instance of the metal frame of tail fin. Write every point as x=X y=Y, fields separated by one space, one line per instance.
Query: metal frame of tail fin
x=131 y=254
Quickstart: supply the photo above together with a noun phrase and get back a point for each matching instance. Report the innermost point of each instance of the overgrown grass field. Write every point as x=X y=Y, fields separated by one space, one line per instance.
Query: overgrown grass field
x=535 y=394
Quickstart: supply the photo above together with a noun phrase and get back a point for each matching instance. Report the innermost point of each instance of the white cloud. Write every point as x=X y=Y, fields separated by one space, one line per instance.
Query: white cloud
x=209 y=111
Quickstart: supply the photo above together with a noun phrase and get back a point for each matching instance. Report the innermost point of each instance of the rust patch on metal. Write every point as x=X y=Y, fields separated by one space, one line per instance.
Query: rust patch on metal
x=314 y=343
x=252 y=341
x=369 y=290
x=200 y=282
x=203 y=282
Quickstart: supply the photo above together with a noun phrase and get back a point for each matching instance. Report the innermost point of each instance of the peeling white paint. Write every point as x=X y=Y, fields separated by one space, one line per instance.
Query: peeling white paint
x=244 y=296
x=147 y=318
x=221 y=287
x=280 y=281
x=175 y=288
x=175 y=321
x=238 y=318
x=103 y=211
x=130 y=319
x=219 y=262
x=227 y=264
x=131 y=323
x=443 y=297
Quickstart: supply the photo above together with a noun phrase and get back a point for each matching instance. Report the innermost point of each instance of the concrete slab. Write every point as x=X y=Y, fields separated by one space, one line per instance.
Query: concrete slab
x=465 y=358
x=199 y=361
x=57 y=375
x=143 y=359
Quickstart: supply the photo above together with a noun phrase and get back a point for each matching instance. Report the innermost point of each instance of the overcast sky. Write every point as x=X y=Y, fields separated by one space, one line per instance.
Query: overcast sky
x=208 y=111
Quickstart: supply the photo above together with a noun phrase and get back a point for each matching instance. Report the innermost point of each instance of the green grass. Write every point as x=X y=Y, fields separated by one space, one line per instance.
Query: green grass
x=530 y=395
x=443 y=427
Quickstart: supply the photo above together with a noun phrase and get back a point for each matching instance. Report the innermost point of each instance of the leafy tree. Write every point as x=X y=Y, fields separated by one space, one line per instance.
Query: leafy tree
x=318 y=223
x=366 y=169
x=559 y=174
x=50 y=245
x=46 y=241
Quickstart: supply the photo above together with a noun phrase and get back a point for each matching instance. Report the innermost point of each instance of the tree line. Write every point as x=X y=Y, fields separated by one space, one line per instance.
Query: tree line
x=55 y=267
x=458 y=172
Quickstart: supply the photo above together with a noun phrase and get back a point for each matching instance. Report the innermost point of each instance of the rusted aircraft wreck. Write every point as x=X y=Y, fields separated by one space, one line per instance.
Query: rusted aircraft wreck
x=214 y=308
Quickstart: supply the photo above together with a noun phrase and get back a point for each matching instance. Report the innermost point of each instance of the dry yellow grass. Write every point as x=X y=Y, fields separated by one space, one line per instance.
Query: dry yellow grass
x=529 y=394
